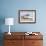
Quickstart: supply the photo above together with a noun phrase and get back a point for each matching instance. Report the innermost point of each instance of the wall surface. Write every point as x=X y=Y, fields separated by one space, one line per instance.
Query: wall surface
x=9 y=8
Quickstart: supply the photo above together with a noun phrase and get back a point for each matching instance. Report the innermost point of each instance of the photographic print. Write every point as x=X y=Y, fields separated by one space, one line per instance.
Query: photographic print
x=27 y=16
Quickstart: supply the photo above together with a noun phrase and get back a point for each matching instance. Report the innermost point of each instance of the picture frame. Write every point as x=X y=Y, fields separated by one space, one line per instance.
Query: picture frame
x=27 y=16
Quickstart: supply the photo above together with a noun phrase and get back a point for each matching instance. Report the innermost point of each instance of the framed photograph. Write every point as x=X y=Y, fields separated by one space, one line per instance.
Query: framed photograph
x=27 y=16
